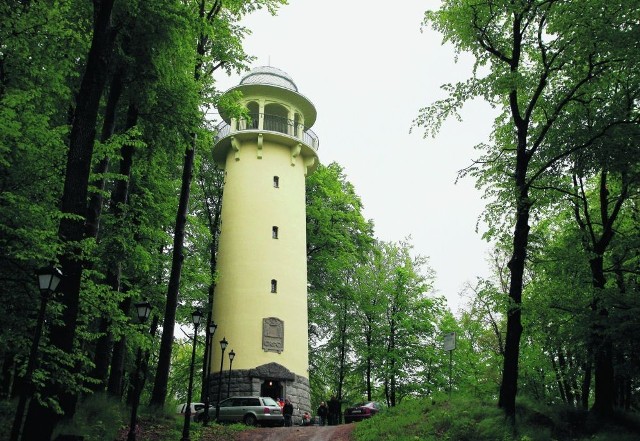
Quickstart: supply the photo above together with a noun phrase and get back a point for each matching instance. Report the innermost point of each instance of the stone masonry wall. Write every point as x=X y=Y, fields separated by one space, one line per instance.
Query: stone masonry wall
x=245 y=382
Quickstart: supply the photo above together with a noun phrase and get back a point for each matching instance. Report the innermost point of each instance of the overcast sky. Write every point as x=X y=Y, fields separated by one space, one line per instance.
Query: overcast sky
x=368 y=68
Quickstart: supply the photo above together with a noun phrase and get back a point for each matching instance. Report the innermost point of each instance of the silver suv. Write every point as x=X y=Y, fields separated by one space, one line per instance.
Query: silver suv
x=248 y=410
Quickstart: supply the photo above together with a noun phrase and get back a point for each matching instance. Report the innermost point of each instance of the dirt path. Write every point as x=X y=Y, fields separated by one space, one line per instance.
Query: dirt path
x=297 y=433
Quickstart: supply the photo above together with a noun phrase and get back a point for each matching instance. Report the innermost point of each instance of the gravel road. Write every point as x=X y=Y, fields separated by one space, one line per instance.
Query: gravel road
x=297 y=433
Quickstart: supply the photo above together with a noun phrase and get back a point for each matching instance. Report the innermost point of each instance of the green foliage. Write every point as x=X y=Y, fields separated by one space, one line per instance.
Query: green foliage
x=337 y=239
x=373 y=323
x=161 y=106
x=180 y=367
x=567 y=104
x=98 y=418
x=472 y=419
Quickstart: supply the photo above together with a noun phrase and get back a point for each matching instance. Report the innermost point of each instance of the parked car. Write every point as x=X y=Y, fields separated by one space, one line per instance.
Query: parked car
x=251 y=411
x=361 y=411
x=195 y=407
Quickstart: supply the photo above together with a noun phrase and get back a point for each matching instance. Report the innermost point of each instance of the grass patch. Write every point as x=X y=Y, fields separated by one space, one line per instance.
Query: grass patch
x=470 y=419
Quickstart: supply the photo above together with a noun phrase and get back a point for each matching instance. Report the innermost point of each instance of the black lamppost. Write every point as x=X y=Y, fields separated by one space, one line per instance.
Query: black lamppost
x=232 y=355
x=143 y=309
x=48 y=280
x=196 y=318
x=223 y=346
x=211 y=329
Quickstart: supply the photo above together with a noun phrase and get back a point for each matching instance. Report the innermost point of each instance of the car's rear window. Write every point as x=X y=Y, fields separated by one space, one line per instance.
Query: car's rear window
x=268 y=401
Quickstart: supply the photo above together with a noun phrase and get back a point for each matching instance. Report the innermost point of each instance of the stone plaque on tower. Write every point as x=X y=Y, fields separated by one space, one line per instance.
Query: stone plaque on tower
x=272 y=334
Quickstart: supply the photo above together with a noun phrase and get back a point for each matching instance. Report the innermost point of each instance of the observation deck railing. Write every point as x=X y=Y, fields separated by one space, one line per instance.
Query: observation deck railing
x=270 y=123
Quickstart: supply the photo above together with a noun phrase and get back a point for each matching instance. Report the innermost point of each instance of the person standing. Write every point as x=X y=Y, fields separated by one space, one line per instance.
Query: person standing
x=323 y=411
x=287 y=411
x=334 y=411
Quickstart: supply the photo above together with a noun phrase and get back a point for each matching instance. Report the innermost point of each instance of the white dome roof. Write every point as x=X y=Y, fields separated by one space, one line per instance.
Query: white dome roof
x=271 y=76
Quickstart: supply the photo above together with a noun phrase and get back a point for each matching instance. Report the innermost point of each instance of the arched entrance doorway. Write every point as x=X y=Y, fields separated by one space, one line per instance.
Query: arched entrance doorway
x=271 y=388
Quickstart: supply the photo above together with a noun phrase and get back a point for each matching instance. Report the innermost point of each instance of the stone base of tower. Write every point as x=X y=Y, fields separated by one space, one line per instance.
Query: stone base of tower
x=270 y=380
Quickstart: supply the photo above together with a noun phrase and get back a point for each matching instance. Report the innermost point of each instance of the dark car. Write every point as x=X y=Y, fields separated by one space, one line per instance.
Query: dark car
x=361 y=411
x=249 y=410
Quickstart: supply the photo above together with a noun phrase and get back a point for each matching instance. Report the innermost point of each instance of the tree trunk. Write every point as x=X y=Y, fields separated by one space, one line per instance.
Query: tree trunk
x=558 y=373
x=604 y=393
x=7 y=375
x=213 y=214
x=116 y=373
x=565 y=380
x=159 y=393
x=392 y=370
x=40 y=421
x=602 y=346
x=104 y=344
x=509 y=384
x=92 y=224
x=369 y=362
x=586 y=382
x=573 y=381
x=342 y=373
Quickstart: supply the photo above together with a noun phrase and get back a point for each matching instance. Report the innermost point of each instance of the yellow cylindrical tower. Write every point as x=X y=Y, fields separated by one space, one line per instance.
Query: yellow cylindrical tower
x=260 y=300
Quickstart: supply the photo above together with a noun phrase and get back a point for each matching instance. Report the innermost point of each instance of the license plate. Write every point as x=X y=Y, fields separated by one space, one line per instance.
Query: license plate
x=356 y=411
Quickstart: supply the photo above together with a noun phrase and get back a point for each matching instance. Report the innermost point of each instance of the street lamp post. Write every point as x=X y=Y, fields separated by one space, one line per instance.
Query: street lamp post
x=211 y=329
x=143 y=309
x=232 y=355
x=48 y=280
x=223 y=346
x=196 y=317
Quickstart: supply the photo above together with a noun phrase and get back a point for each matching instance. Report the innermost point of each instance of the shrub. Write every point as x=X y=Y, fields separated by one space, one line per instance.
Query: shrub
x=97 y=418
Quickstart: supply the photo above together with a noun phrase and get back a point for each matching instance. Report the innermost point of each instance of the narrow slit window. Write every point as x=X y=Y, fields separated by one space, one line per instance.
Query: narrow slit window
x=276 y=182
x=274 y=286
x=274 y=232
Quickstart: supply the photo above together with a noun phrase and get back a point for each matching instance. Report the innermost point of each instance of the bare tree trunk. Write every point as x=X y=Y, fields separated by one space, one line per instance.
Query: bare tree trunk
x=342 y=372
x=369 y=362
x=603 y=347
x=159 y=393
x=509 y=384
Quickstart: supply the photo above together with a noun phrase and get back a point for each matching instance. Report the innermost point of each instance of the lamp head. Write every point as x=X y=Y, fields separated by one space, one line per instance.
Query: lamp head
x=223 y=343
x=143 y=309
x=196 y=317
x=212 y=328
x=232 y=355
x=48 y=279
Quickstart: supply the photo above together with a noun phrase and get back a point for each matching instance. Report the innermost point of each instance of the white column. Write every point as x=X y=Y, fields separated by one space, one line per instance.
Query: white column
x=261 y=115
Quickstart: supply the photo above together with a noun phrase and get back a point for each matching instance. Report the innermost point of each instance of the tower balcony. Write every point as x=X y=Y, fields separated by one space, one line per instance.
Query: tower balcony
x=261 y=122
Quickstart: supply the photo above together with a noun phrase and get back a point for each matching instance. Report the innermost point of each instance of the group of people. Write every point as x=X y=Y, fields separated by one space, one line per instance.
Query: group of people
x=327 y=413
